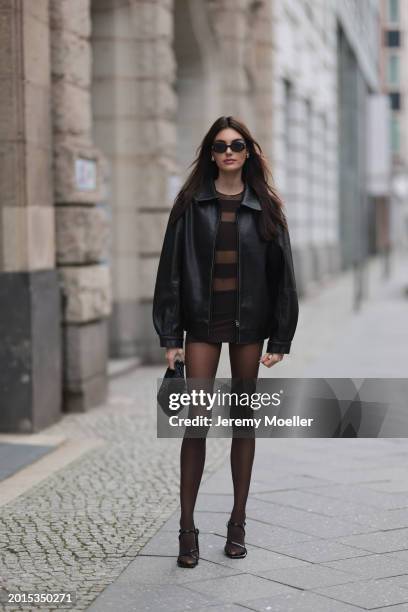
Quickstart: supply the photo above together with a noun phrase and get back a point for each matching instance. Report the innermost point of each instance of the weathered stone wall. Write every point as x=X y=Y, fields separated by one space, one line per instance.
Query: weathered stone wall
x=82 y=229
x=134 y=125
x=30 y=346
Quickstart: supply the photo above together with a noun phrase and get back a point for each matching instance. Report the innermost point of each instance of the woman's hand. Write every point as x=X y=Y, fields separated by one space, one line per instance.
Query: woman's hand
x=269 y=359
x=171 y=355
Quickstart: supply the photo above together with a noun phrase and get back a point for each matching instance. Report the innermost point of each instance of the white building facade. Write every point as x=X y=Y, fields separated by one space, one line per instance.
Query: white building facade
x=394 y=81
x=325 y=67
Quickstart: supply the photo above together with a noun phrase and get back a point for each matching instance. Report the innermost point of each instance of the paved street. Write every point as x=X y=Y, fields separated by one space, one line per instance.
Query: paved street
x=322 y=535
x=327 y=519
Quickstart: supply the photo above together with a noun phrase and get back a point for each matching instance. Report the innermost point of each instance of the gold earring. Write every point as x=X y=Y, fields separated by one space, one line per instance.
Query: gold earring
x=212 y=159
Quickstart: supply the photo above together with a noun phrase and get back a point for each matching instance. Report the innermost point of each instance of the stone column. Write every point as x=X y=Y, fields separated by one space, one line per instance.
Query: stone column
x=82 y=225
x=134 y=107
x=30 y=345
x=259 y=54
x=244 y=51
x=229 y=22
x=242 y=34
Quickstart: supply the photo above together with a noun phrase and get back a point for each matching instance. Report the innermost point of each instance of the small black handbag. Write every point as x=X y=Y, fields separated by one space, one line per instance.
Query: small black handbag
x=173 y=382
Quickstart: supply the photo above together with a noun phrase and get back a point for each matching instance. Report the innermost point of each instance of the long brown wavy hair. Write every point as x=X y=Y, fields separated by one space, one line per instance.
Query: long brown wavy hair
x=255 y=172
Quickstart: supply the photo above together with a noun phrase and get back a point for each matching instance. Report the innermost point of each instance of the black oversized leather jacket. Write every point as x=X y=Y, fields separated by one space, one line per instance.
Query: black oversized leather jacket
x=267 y=305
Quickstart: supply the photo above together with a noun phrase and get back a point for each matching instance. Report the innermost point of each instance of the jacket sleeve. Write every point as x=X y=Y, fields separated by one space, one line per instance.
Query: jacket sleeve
x=286 y=305
x=167 y=306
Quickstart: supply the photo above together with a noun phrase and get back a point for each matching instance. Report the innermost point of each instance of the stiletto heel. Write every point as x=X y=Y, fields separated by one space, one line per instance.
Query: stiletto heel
x=229 y=541
x=189 y=553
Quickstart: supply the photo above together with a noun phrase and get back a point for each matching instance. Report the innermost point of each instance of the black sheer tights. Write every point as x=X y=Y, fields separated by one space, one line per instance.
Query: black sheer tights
x=201 y=360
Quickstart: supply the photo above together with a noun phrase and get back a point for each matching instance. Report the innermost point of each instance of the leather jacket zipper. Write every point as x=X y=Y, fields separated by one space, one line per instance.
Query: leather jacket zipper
x=239 y=275
x=212 y=271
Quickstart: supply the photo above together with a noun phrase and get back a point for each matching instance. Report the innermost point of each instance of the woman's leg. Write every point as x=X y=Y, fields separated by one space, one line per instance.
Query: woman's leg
x=201 y=360
x=244 y=360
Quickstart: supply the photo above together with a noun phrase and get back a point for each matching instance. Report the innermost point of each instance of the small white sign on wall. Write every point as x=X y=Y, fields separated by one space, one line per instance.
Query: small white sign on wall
x=173 y=186
x=85 y=174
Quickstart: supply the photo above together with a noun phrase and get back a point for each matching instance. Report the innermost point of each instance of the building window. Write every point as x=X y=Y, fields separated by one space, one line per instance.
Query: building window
x=392 y=38
x=393 y=10
x=393 y=69
x=395 y=134
x=395 y=98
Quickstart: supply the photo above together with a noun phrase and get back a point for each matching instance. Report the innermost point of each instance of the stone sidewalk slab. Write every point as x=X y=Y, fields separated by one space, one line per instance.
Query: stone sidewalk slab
x=374 y=565
x=13 y=457
x=300 y=601
x=310 y=502
x=379 y=542
x=308 y=577
x=63 y=452
x=317 y=551
x=368 y=594
x=307 y=522
x=401 y=580
x=239 y=588
x=128 y=597
x=365 y=495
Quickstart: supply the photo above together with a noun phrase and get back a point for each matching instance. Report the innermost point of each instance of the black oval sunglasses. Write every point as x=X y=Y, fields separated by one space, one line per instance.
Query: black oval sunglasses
x=236 y=146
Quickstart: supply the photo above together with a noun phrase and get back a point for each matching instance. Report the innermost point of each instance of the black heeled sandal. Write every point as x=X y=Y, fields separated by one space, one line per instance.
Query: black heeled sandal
x=244 y=552
x=190 y=552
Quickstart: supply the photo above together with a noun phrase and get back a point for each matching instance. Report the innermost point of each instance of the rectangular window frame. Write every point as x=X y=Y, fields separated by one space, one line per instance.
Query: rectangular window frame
x=393 y=11
x=395 y=133
x=393 y=69
x=395 y=100
x=392 y=38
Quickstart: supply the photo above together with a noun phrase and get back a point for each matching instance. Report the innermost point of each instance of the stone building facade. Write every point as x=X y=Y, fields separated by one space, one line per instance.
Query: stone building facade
x=102 y=107
x=54 y=283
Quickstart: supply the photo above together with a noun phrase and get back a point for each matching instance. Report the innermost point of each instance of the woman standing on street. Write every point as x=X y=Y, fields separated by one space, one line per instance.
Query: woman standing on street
x=225 y=275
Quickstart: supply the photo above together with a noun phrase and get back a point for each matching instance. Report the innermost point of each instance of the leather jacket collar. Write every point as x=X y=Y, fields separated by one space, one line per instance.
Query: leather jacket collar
x=208 y=192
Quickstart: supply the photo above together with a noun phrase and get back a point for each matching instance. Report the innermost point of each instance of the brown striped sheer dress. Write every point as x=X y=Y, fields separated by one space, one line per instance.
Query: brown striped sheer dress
x=225 y=277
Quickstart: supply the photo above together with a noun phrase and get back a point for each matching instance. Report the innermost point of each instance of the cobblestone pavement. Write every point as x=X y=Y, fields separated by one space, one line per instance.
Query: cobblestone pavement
x=322 y=513
x=80 y=528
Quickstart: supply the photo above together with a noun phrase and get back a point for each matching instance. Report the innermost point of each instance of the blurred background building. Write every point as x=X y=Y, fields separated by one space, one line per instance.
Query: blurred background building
x=394 y=82
x=326 y=67
x=103 y=105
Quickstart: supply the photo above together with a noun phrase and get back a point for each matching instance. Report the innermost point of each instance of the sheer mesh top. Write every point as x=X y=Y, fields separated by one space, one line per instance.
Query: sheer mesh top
x=225 y=278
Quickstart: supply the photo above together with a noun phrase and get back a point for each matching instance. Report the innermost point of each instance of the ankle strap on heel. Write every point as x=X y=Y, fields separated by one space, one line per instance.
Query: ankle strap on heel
x=195 y=530
x=235 y=524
